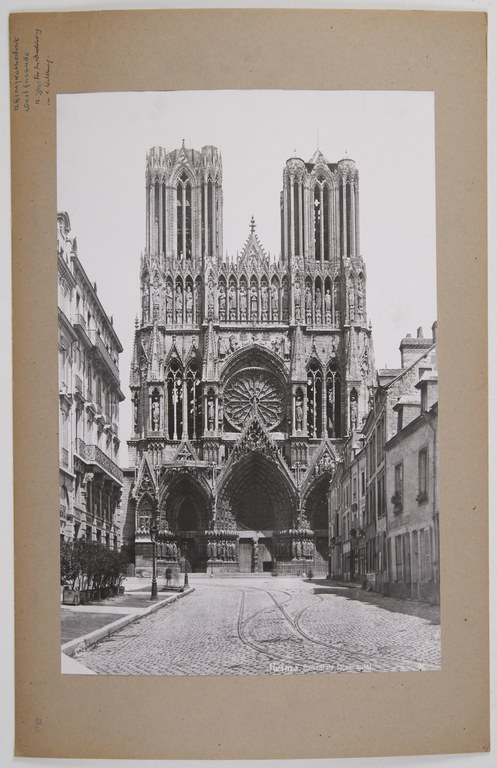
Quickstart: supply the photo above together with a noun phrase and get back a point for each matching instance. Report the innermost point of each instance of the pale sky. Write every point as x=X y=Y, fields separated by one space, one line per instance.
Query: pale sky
x=102 y=140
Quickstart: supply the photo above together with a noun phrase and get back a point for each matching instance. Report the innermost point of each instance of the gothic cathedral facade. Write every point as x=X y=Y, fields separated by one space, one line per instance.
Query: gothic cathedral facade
x=248 y=372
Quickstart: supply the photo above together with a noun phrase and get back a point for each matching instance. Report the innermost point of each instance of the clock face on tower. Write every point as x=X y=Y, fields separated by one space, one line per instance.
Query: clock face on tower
x=254 y=391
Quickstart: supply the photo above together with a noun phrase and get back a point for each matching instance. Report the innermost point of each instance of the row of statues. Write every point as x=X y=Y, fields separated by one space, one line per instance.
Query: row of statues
x=279 y=345
x=296 y=549
x=168 y=551
x=246 y=301
x=221 y=550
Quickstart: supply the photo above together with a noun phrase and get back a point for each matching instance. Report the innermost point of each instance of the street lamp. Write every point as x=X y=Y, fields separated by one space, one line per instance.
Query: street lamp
x=185 y=583
x=153 y=539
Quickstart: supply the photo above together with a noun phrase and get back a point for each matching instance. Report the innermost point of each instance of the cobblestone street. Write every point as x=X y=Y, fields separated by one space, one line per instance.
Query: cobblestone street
x=244 y=626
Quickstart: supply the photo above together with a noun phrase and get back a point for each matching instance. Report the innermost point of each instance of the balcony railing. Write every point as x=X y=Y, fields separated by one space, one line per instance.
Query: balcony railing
x=80 y=320
x=104 y=353
x=93 y=454
x=80 y=447
x=64 y=457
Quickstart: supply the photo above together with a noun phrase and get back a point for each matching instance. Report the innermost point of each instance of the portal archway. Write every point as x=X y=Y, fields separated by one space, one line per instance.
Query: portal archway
x=260 y=497
x=184 y=506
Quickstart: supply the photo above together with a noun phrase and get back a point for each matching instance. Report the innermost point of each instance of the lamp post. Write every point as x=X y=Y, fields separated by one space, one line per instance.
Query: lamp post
x=153 y=539
x=185 y=583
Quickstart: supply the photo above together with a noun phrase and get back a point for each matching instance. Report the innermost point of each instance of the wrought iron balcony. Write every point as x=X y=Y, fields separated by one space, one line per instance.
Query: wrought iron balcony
x=104 y=353
x=79 y=320
x=94 y=455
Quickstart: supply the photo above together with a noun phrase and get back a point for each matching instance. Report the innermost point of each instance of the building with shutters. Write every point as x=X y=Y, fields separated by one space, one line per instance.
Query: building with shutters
x=383 y=498
x=90 y=480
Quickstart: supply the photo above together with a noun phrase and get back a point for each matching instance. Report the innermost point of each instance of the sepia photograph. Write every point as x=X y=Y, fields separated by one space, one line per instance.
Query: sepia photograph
x=248 y=382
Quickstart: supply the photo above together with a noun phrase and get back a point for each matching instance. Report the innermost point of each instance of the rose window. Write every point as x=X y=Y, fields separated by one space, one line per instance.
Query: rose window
x=254 y=392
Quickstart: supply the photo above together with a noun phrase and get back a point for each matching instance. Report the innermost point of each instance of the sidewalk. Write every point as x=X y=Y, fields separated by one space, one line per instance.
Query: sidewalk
x=84 y=625
x=354 y=591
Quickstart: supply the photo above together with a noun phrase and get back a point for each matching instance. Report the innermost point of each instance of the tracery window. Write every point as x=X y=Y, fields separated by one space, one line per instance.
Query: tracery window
x=184 y=217
x=333 y=400
x=174 y=402
x=144 y=516
x=194 y=395
x=326 y=223
x=317 y=222
x=314 y=400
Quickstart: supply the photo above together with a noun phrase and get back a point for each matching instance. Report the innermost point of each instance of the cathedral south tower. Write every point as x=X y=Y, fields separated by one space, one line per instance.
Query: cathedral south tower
x=248 y=372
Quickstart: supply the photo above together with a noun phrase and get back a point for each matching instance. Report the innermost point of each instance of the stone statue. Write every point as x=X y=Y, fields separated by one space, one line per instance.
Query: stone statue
x=222 y=301
x=351 y=297
x=284 y=301
x=353 y=414
x=243 y=302
x=299 y=414
x=155 y=414
x=318 y=306
x=169 y=302
x=223 y=347
x=327 y=306
x=264 y=300
x=360 y=301
x=253 y=302
x=308 y=304
x=210 y=296
x=286 y=347
x=155 y=302
x=274 y=302
x=336 y=300
x=296 y=299
x=210 y=414
x=233 y=343
x=135 y=412
x=189 y=303
x=179 y=303
x=232 y=301
x=198 y=302
x=145 y=304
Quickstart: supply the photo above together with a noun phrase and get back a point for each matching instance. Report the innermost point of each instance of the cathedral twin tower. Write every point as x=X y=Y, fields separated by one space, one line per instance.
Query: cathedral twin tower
x=247 y=372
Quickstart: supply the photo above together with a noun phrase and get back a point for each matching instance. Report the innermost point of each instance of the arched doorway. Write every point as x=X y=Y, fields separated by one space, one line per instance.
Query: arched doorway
x=184 y=513
x=316 y=507
x=262 y=502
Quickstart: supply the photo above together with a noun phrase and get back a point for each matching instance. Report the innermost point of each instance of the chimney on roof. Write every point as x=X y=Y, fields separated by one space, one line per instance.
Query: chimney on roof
x=412 y=348
x=434 y=329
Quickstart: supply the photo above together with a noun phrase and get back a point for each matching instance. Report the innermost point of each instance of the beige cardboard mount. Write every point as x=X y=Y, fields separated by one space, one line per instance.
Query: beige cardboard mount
x=259 y=717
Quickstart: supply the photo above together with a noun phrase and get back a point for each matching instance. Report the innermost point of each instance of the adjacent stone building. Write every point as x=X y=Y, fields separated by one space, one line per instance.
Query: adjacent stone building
x=379 y=462
x=89 y=394
x=412 y=487
x=248 y=371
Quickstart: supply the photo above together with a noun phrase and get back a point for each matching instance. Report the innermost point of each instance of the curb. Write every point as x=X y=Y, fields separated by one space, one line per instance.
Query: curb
x=80 y=644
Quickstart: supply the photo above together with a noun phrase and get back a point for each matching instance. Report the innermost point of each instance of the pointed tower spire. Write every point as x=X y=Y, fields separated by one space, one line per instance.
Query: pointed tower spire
x=134 y=372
